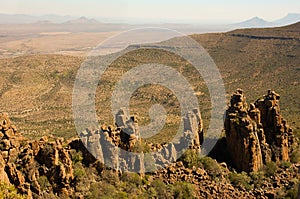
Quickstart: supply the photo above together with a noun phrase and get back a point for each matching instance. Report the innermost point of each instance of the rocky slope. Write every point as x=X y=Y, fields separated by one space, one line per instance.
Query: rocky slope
x=53 y=168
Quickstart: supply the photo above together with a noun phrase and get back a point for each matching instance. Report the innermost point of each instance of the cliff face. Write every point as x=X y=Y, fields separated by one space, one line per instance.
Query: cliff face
x=279 y=135
x=242 y=135
x=257 y=134
x=24 y=162
x=48 y=163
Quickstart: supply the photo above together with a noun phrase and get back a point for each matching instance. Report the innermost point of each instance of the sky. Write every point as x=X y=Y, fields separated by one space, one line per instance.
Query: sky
x=160 y=10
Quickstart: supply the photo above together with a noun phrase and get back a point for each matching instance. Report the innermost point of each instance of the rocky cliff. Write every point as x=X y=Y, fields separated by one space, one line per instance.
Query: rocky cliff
x=54 y=168
x=257 y=133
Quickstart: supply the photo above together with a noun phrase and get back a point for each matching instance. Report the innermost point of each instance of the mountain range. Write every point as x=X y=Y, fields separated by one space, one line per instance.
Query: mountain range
x=255 y=22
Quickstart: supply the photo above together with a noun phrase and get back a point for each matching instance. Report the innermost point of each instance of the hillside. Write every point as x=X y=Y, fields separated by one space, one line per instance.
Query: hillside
x=258 y=156
x=36 y=90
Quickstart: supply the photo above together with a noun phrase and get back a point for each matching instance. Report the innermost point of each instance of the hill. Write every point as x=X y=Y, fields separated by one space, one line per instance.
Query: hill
x=82 y=20
x=289 y=19
x=257 y=22
x=36 y=90
x=38 y=97
x=254 y=22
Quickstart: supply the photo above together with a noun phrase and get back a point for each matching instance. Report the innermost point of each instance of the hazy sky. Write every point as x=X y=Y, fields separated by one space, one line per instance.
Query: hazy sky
x=195 y=10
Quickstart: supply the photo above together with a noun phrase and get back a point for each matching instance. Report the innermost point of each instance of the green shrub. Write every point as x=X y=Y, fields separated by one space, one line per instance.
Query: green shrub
x=102 y=190
x=79 y=173
x=257 y=178
x=43 y=182
x=132 y=178
x=292 y=193
x=162 y=190
x=191 y=158
x=8 y=191
x=211 y=166
x=240 y=180
x=270 y=168
x=182 y=190
x=295 y=157
x=285 y=165
x=76 y=157
x=110 y=177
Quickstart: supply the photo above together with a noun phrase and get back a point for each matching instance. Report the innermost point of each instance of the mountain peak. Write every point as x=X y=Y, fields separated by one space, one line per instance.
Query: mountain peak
x=255 y=22
x=290 y=18
x=82 y=20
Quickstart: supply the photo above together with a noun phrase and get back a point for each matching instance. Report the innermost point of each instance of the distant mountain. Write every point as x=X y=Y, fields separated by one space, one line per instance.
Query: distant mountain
x=44 y=22
x=82 y=20
x=289 y=19
x=24 y=19
x=17 y=19
x=254 y=22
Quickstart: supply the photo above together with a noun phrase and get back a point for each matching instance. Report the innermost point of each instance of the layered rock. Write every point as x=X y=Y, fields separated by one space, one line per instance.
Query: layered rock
x=279 y=135
x=110 y=144
x=242 y=135
x=257 y=134
x=193 y=124
x=24 y=162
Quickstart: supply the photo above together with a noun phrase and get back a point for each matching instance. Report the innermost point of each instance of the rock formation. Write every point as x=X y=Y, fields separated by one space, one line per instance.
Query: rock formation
x=279 y=135
x=48 y=166
x=24 y=162
x=193 y=124
x=242 y=135
x=257 y=134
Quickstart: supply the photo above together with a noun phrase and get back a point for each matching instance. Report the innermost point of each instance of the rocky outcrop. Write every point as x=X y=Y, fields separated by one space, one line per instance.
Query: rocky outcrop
x=279 y=135
x=108 y=144
x=242 y=135
x=257 y=134
x=193 y=124
x=23 y=163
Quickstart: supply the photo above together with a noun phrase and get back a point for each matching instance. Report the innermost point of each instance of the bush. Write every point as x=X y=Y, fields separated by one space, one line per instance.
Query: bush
x=79 y=172
x=257 y=178
x=292 y=193
x=211 y=166
x=183 y=190
x=132 y=178
x=285 y=165
x=191 y=158
x=240 y=180
x=110 y=177
x=102 y=190
x=76 y=157
x=8 y=191
x=295 y=157
x=43 y=182
x=270 y=169
x=162 y=190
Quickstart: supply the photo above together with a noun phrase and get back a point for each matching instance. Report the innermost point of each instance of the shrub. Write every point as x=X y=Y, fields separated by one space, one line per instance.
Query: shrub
x=132 y=178
x=191 y=158
x=295 y=157
x=257 y=178
x=285 y=165
x=240 y=180
x=43 y=182
x=293 y=192
x=8 y=191
x=76 y=157
x=102 y=190
x=270 y=169
x=183 y=190
x=110 y=177
x=162 y=190
x=79 y=173
x=211 y=166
